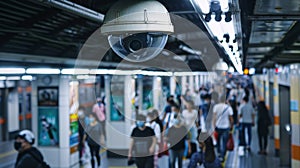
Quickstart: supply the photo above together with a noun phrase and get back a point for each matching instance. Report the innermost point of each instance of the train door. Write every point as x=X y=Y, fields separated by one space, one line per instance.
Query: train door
x=285 y=138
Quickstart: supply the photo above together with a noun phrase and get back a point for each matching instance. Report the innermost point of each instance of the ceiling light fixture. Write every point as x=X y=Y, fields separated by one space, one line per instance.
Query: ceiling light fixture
x=42 y=71
x=12 y=70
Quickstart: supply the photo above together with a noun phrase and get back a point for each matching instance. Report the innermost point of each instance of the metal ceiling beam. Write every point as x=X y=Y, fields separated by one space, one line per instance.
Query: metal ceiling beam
x=293 y=48
x=28 y=23
x=247 y=8
x=76 y=9
x=277 y=17
x=54 y=33
x=257 y=45
x=257 y=53
x=288 y=40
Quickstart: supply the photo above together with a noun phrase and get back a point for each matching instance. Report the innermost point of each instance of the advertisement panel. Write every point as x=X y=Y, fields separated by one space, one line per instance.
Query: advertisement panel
x=48 y=126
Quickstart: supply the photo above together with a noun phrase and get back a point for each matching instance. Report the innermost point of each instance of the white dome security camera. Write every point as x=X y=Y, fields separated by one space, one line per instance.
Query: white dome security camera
x=137 y=30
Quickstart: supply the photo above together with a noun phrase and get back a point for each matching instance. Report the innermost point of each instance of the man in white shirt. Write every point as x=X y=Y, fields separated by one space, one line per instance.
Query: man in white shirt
x=223 y=123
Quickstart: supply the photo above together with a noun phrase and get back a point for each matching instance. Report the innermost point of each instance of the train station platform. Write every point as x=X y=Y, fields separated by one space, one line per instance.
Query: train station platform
x=233 y=160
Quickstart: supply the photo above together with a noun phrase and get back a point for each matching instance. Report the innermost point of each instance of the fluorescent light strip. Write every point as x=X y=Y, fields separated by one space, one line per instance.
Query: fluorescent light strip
x=2 y=77
x=42 y=71
x=27 y=77
x=100 y=72
x=83 y=76
x=155 y=73
x=75 y=71
x=12 y=70
x=13 y=78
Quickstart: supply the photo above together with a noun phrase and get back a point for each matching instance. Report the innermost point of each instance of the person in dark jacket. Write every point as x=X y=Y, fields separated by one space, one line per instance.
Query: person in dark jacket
x=263 y=123
x=28 y=155
x=207 y=155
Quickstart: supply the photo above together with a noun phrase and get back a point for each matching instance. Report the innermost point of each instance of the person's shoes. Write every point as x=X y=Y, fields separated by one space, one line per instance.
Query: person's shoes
x=241 y=151
x=221 y=159
x=248 y=148
x=264 y=152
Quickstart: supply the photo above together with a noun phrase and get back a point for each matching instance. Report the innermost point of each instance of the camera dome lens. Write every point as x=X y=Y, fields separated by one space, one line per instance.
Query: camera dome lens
x=138 y=47
x=135 y=45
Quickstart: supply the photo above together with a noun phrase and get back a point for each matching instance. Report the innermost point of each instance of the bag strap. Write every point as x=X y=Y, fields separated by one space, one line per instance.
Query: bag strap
x=225 y=110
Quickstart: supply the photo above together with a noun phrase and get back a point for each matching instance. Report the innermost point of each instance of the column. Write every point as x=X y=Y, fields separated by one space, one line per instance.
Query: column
x=191 y=84
x=157 y=91
x=267 y=100
x=295 y=115
x=60 y=154
x=183 y=85
x=140 y=92
x=172 y=85
x=276 y=115
x=197 y=82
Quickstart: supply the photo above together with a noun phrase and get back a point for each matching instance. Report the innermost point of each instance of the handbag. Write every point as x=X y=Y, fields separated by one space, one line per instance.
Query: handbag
x=163 y=149
x=215 y=134
x=230 y=143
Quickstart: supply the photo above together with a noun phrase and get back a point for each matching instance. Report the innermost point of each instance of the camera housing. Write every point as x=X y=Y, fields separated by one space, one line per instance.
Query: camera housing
x=137 y=31
x=138 y=47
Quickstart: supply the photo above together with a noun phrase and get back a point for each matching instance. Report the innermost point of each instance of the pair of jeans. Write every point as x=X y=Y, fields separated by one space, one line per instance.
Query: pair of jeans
x=223 y=135
x=241 y=136
x=145 y=162
x=176 y=154
x=248 y=127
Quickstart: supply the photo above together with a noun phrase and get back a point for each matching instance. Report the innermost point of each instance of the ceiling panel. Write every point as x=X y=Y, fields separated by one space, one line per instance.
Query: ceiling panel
x=269 y=32
x=277 y=7
x=259 y=49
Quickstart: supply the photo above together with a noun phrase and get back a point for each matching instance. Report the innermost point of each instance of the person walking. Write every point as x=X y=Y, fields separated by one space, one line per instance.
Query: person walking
x=246 y=114
x=152 y=124
x=99 y=110
x=28 y=156
x=143 y=142
x=223 y=123
x=263 y=123
x=176 y=137
x=94 y=137
x=206 y=156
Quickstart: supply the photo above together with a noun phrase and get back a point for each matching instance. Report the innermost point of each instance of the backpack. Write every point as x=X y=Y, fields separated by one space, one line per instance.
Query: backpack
x=42 y=164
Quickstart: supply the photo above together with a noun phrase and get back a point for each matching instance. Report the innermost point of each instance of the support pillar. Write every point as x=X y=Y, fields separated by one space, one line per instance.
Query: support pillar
x=276 y=115
x=295 y=115
x=172 y=85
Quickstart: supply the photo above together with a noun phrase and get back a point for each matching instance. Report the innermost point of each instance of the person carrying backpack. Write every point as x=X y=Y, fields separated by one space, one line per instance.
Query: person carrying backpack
x=207 y=155
x=28 y=156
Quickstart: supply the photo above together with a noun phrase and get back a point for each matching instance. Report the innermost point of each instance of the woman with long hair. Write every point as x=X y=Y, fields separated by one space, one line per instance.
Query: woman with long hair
x=263 y=123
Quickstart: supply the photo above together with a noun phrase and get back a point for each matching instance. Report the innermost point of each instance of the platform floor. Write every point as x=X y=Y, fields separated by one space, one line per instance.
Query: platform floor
x=249 y=160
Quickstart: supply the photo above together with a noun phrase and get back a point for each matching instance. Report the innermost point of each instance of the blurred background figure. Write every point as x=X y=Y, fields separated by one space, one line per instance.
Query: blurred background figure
x=263 y=123
x=99 y=110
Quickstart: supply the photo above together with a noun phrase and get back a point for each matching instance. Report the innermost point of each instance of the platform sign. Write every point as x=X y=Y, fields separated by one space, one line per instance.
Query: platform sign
x=48 y=126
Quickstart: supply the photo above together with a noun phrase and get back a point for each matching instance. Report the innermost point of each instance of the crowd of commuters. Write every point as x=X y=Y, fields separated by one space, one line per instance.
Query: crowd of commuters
x=183 y=130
